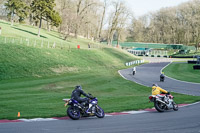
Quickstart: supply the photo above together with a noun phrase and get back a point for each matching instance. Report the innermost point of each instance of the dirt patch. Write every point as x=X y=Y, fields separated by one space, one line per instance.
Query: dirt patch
x=38 y=76
x=52 y=86
x=64 y=69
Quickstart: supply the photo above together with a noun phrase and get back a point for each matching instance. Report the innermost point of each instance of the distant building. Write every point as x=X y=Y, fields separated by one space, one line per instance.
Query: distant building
x=140 y=51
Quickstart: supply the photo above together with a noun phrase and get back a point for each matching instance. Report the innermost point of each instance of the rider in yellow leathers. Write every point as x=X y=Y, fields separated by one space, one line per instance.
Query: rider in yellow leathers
x=156 y=90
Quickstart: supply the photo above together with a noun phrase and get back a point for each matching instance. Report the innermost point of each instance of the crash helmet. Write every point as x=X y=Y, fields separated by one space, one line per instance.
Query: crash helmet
x=154 y=86
x=78 y=87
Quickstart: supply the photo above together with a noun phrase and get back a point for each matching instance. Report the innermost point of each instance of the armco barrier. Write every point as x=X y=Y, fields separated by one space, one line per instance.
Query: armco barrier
x=134 y=62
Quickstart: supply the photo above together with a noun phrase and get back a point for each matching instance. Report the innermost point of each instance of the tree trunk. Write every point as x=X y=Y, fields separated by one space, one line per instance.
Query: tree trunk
x=40 y=27
x=48 y=25
x=102 y=19
x=12 y=22
x=111 y=40
x=76 y=31
x=118 y=38
x=108 y=39
x=12 y=18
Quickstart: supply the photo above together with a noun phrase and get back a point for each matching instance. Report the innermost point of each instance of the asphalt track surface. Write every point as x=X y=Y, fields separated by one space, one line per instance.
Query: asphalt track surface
x=148 y=74
x=186 y=120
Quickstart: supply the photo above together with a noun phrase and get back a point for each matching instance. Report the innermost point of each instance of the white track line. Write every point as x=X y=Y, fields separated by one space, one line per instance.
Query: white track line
x=106 y=115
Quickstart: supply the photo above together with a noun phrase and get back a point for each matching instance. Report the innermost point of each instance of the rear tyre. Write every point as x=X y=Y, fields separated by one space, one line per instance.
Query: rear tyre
x=175 y=106
x=99 y=112
x=159 y=106
x=133 y=72
x=73 y=113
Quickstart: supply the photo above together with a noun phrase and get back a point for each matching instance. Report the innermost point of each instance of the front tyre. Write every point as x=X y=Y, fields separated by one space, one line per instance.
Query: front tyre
x=175 y=106
x=73 y=113
x=99 y=112
x=159 y=106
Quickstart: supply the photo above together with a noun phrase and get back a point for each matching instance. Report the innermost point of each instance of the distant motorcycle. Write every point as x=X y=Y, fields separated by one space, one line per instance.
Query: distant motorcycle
x=162 y=78
x=77 y=110
x=163 y=102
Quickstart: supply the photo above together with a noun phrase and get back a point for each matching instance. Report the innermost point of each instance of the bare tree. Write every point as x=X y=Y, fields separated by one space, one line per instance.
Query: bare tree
x=102 y=18
x=3 y=12
x=114 y=19
x=82 y=20
x=81 y=9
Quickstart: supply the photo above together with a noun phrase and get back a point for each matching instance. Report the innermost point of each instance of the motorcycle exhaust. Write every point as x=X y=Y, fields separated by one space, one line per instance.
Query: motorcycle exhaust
x=160 y=101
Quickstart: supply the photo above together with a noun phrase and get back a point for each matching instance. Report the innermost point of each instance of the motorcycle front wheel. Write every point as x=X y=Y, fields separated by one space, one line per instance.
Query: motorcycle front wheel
x=159 y=106
x=73 y=113
x=175 y=106
x=99 y=112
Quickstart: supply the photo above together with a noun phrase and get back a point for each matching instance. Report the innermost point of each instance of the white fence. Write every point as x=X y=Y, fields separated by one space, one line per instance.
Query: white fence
x=134 y=62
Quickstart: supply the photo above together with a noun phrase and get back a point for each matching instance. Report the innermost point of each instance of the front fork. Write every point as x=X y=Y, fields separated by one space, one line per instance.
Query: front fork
x=91 y=109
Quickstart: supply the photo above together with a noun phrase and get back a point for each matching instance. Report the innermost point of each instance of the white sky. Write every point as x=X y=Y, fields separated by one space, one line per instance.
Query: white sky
x=141 y=7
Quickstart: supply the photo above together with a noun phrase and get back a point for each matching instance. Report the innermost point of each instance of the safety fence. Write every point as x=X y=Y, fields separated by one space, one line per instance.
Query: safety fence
x=134 y=62
x=34 y=42
x=39 y=43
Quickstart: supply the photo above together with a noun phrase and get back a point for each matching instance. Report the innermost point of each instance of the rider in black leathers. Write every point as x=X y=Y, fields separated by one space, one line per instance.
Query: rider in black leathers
x=76 y=95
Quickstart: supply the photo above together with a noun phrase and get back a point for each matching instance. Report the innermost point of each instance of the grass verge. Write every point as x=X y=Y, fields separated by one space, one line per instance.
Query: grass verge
x=43 y=97
x=183 y=71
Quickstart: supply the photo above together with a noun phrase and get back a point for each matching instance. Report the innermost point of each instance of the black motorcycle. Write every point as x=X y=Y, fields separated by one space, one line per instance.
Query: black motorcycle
x=162 y=78
x=76 y=110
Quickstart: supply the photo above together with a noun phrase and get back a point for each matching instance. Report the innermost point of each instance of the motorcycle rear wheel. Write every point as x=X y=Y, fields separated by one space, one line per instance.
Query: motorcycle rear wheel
x=133 y=72
x=159 y=106
x=99 y=112
x=73 y=113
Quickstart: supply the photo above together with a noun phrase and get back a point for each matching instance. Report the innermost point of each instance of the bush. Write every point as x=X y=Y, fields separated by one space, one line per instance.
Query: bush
x=152 y=55
x=165 y=56
x=174 y=56
x=158 y=55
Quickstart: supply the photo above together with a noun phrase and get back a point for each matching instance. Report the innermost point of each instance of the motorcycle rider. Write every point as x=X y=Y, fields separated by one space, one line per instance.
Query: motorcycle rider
x=156 y=90
x=76 y=95
x=162 y=77
x=134 y=70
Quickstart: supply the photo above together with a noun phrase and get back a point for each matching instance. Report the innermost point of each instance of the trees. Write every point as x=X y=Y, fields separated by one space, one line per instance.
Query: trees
x=44 y=10
x=80 y=17
x=117 y=20
x=66 y=10
x=3 y=12
x=86 y=18
x=82 y=7
x=16 y=7
x=177 y=25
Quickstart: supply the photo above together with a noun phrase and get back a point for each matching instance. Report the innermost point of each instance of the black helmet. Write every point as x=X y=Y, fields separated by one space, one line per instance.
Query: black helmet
x=78 y=87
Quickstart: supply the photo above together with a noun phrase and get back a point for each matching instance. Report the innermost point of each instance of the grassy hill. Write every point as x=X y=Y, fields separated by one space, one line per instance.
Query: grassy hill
x=35 y=78
x=22 y=62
